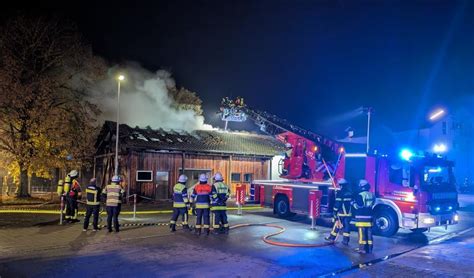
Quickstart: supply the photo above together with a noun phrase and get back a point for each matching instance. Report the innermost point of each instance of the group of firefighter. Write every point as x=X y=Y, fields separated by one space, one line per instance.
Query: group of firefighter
x=346 y=204
x=204 y=199
x=70 y=192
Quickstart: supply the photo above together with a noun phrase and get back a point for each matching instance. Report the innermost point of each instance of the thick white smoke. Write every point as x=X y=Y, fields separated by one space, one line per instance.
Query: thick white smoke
x=144 y=100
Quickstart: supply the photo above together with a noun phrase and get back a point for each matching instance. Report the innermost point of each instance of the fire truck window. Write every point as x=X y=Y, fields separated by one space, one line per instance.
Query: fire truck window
x=396 y=174
x=235 y=177
x=247 y=177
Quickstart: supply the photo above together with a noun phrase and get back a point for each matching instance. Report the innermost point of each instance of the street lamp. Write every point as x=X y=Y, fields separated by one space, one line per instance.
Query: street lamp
x=119 y=79
x=436 y=114
x=369 y=113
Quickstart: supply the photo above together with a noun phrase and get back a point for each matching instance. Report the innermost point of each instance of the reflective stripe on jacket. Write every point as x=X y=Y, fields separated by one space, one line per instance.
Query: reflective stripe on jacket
x=93 y=195
x=364 y=202
x=114 y=193
x=342 y=205
x=219 y=195
x=201 y=195
x=180 y=195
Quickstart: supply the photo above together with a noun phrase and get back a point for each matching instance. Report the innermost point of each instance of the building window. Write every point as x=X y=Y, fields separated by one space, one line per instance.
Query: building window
x=248 y=177
x=235 y=177
x=444 y=128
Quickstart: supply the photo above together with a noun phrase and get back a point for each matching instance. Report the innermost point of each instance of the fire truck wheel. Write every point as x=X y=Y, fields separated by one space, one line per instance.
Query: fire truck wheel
x=282 y=207
x=386 y=222
x=419 y=230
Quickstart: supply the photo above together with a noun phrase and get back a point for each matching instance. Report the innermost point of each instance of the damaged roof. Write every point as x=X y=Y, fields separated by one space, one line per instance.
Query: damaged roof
x=202 y=141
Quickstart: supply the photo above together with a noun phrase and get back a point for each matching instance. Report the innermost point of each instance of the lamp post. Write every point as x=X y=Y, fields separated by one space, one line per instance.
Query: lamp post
x=119 y=79
x=369 y=113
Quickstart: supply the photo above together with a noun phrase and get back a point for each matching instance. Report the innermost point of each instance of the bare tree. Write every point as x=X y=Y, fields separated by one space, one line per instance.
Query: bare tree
x=45 y=70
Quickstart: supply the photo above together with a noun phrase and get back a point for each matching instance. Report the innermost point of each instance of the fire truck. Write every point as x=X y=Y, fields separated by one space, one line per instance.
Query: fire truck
x=414 y=191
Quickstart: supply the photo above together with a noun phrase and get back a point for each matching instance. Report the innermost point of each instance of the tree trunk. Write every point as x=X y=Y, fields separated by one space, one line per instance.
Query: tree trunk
x=23 y=192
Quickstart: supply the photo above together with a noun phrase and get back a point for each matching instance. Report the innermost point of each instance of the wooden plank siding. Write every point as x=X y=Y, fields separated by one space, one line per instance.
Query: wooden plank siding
x=172 y=163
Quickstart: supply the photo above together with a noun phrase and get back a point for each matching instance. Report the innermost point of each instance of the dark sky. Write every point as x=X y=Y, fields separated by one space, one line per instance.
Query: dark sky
x=302 y=60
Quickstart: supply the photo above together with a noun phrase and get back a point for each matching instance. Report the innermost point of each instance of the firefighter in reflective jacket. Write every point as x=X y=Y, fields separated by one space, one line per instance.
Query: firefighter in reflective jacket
x=342 y=213
x=72 y=190
x=364 y=203
x=93 y=205
x=180 y=203
x=201 y=197
x=219 y=195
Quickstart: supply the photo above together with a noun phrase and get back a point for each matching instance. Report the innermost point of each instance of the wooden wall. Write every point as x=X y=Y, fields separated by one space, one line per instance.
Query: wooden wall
x=172 y=163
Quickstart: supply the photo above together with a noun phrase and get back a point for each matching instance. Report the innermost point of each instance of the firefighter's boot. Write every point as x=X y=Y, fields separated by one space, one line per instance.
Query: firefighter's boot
x=172 y=227
x=197 y=231
x=226 y=230
x=186 y=227
x=206 y=231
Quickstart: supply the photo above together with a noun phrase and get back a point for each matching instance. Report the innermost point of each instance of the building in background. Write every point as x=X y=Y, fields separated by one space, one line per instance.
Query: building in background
x=151 y=160
x=452 y=136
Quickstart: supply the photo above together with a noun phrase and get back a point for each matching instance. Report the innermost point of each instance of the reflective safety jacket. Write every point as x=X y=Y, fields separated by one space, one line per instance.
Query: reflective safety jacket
x=219 y=195
x=364 y=203
x=342 y=206
x=114 y=194
x=201 y=195
x=93 y=195
x=180 y=195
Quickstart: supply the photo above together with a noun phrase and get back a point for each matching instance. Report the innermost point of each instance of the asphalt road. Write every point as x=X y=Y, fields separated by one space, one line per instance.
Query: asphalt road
x=49 y=250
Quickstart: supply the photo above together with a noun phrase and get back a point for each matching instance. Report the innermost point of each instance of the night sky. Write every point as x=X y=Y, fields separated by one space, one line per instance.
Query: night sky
x=302 y=60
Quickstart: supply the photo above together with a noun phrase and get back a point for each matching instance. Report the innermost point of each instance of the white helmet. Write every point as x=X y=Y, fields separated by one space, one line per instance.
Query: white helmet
x=116 y=179
x=73 y=174
x=218 y=177
x=364 y=184
x=342 y=182
x=203 y=178
x=182 y=178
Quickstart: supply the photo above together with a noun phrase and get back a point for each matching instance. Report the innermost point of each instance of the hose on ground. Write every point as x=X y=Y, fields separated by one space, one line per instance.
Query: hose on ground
x=266 y=238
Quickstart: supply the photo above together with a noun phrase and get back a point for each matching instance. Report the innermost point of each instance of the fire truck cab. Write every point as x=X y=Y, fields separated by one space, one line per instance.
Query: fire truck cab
x=414 y=191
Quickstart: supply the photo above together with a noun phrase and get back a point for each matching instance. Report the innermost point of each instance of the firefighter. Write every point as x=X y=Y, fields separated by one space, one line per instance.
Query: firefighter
x=113 y=193
x=219 y=195
x=342 y=213
x=201 y=198
x=363 y=203
x=93 y=205
x=72 y=190
x=180 y=203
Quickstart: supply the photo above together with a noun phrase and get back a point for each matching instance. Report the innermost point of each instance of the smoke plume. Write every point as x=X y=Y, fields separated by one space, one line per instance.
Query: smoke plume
x=144 y=100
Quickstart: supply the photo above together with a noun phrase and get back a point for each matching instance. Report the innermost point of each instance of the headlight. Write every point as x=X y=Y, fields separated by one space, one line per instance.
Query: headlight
x=428 y=220
x=456 y=217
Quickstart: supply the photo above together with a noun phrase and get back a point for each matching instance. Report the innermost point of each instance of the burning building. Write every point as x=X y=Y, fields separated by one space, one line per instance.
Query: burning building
x=151 y=160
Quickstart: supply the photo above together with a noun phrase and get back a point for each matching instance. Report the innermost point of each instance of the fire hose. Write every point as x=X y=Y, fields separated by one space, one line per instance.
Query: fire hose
x=266 y=238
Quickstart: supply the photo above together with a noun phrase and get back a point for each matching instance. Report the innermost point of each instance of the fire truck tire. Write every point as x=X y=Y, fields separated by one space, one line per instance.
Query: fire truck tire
x=419 y=230
x=385 y=222
x=282 y=207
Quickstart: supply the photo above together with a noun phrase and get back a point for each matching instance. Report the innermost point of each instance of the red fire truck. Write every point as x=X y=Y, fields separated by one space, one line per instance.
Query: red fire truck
x=414 y=190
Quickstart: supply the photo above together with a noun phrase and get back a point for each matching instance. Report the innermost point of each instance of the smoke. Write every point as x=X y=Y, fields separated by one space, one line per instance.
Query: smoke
x=144 y=100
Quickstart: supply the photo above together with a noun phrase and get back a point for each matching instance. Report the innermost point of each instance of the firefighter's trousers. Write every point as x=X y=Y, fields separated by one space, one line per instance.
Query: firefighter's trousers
x=176 y=213
x=219 y=217
x=364 y=227
x=346 y=228
x=202 y=218
x=92 y=210
x=71 y=208
x=113 y=213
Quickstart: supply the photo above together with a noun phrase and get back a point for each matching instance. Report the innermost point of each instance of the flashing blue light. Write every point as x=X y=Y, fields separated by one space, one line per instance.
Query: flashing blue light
x=406 y=154
x=437 y=209
x=450 y=208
